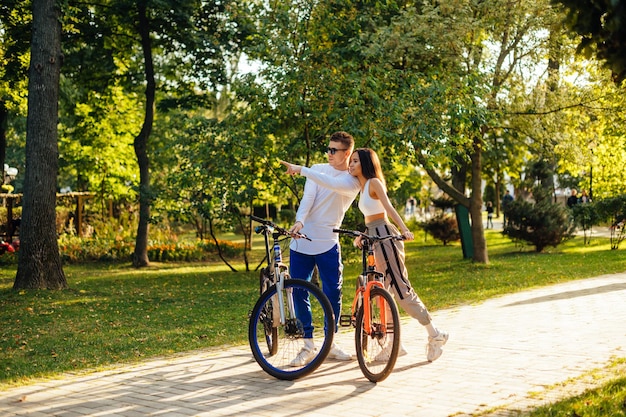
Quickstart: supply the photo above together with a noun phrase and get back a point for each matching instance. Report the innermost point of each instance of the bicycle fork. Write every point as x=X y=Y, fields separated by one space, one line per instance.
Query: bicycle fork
x=362 y=299
x=367 y=316
x=279 y=312
x=374 y=279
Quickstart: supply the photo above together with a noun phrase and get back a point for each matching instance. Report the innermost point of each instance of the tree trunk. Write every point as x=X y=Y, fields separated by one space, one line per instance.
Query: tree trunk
x=39 y=264
x=476 y=206
x=4 y=115
x=474 y=203
x=498 y=199
x=459 y=173
x=140 y=256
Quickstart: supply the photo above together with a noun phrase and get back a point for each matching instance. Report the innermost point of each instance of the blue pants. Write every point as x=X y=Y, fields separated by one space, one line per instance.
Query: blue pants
x=330 y=270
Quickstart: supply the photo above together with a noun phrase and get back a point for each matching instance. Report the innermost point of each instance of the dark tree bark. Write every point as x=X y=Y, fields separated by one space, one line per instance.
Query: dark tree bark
x=476 y=203
x=140 y=257
x=39 y=264
x=4 y=115
x=473 y=203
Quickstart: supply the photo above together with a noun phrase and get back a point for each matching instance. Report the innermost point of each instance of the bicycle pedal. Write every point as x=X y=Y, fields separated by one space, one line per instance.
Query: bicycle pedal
x=345 y=320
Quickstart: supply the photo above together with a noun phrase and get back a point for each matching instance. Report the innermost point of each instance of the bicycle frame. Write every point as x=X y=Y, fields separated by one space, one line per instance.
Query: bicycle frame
x=277 y=271
x=368 y=279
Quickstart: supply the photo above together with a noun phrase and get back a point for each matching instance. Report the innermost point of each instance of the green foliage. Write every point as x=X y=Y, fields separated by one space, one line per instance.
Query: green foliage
x=81 y=250
x=589 y=142
x=287 y=216
x=585 y=217
x=17 y=213
x=542 y=223
x=444 y=203
x=489 y=194
x=408 y=80
x=601 y=26
x=442 y=227
x=96 y=143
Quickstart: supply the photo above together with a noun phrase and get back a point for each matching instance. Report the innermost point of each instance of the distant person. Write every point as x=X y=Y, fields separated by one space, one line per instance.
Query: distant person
x=411 y=206
x=506 y=200
x=489 y=215
x=584 y=197
x=572 y=200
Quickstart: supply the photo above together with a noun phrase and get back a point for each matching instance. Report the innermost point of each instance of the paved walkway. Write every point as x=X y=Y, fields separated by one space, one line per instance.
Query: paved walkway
x=499 y=351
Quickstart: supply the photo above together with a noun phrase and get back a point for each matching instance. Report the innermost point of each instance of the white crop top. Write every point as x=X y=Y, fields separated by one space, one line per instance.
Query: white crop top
x=367 y=204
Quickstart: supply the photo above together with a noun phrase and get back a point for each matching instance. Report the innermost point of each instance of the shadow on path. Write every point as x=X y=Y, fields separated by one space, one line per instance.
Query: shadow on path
x=571 y=294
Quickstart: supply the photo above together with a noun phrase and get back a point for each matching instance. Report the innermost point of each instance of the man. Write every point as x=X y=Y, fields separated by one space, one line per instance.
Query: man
x=320 y=211
x=506 y=200
x=572 y=200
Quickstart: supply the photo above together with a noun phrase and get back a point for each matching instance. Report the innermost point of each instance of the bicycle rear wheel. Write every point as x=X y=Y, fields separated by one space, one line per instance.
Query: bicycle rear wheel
x=289 y=338
x=271 y=332
x=377 y=351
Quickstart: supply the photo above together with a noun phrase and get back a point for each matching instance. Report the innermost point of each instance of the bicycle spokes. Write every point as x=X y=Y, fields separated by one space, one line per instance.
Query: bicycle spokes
x=288 y=338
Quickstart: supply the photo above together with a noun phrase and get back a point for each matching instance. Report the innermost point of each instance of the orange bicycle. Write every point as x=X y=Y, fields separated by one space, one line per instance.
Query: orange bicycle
x=374 y=314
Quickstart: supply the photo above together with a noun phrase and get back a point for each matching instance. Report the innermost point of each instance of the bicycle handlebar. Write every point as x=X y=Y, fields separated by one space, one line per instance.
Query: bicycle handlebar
x=278 y=229
x=357 y=233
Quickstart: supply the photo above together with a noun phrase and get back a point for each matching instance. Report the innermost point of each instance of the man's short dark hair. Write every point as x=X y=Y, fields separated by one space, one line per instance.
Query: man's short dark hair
x=344 y=138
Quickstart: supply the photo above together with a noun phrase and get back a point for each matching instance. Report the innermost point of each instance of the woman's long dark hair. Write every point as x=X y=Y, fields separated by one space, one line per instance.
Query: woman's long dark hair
x=370 y=164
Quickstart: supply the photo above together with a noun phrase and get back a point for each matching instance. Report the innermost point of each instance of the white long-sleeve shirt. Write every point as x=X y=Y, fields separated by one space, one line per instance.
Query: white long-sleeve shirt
x=322 y=208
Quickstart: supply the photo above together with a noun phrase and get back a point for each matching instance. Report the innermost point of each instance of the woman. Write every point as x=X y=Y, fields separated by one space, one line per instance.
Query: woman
x=489 y=215
x=376 y=207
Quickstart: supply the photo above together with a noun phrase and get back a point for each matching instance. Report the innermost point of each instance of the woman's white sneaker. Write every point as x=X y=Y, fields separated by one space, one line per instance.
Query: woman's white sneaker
x=434 y=348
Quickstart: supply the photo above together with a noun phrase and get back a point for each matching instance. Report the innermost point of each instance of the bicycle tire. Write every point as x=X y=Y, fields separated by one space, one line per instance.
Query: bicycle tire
x=271 y=332
x=289 y=337
x=377 y=352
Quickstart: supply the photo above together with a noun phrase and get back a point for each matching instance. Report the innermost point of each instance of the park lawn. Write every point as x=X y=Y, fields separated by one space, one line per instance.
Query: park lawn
x=115 y=314
x=607 y=399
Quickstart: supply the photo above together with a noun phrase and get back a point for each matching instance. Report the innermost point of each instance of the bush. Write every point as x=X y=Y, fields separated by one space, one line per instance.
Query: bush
x=442 y=227
x=613 y=211
x=542 y=224
x=287 y=216
x=585 y=217
x=75 y=250
x=8 y=258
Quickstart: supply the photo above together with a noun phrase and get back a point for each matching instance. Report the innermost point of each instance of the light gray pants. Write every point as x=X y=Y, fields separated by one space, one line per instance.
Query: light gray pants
x=390 y=260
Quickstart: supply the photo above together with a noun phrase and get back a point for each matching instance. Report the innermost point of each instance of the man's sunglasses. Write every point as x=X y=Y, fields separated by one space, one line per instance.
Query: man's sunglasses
x=333 y=151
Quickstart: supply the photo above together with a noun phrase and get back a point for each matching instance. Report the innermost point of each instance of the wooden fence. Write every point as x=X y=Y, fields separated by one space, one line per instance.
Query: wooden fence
x=10 y=226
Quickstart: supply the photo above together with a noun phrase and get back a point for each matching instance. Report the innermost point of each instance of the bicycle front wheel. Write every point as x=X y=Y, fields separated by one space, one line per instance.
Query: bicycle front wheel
x=284 y=360
x=377 y=347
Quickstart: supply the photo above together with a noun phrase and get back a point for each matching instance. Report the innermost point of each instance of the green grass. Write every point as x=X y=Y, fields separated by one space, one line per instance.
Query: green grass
x=609 y=399
x=115 y=314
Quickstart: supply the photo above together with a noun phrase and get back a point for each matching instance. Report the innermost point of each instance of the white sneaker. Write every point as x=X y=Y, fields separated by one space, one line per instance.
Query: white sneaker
x=383 y=355
x=435 y=345
x=305 y=356
x=337 y=353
